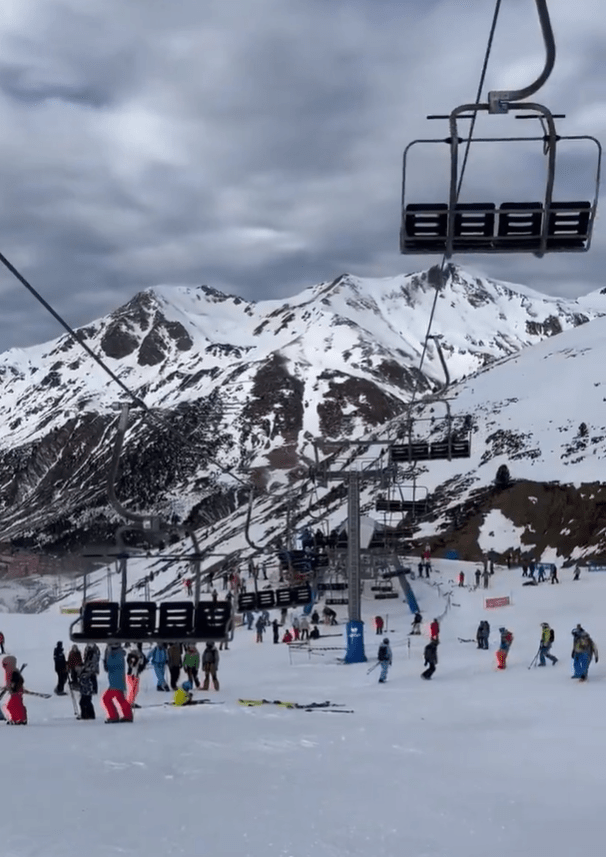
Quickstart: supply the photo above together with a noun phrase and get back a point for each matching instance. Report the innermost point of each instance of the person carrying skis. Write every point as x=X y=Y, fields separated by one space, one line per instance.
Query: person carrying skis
x=547 y=638
x=92 y=655
x=431 y=658
x=158 y=659
x=60 y=669
x=434 y=630
x=210 y=665
x=191 y=664
x=416 y=624
x=378 y=625
x=583 y=650
x=14 y=710
x=74 y=665
x=384 y=657
x=135 y=664
x=504 y=647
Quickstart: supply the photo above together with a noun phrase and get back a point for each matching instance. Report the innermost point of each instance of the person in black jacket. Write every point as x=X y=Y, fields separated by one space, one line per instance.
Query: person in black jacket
x=431 y=659
x=60 y=669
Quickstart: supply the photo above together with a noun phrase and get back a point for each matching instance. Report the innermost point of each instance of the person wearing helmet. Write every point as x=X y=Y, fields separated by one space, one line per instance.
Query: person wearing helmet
x=547 y=638
x=583 y=650
x=183 y=694
x=503 y=650
x=384 y=657
x=431 y=658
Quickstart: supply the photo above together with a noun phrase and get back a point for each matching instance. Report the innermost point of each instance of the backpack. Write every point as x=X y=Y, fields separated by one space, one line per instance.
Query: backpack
x=382 y=654
x=551 y=635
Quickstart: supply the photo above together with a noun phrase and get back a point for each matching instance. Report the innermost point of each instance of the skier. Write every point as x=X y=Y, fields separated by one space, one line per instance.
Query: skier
x=158 y=658
x=113 y=700
x=304 y=626
x=547 y=638
x=478 y=575
x=87 y=710
x=314 y=634
x=260 y=626
x=461 y=578
x=385 y=658
x=74 y=665
x=296 y=627
x=577 y=573
x=330 y=616
x=191 y=664
x=434 y=630
x=210 y=665
x=173 y=655
x=14 y=710
x=1 y=643
x=416 y=624
x=188 y=586
x=583 y=650
x=431 y=658
x=553 y=576
x=379 y=625
x=420 y=568
x=504 y=647
x=288 y=637
x=135 y=663
x=60 y=669
x=183 y=694
x=92 y=654
x=315 y=617
x=485 y=578
x=541 y=577
x=275 y=627
x=482 y=634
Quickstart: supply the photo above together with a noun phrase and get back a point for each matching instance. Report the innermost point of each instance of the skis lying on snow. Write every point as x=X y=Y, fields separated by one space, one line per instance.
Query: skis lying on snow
x=186 y=705
x=4 y=691
x=465 y=640
x=311 y=706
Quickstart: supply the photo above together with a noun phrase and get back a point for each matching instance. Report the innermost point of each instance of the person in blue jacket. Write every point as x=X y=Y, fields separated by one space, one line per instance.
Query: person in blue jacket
x=114 y=663
x=158 y=659
x=385 y=658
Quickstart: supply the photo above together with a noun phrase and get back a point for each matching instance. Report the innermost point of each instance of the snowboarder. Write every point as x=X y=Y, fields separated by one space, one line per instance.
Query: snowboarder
x=191 y=664
x=210 y=665
x=434 y=630
x=461 y=578
x=135 y=664
x=158 y=659
x=482 y=634
x=260 y=626
x=378 y=625
x=478 y=575
x=547 y=638
x=385 y=658
x=113 y=700
x=92 y=655
x=1 y=643
x=174 y=661
x=60 y=669
x=74 y=665
x=14 y=710
x=431 y=658
x=504 y=647
x=87 y=710
x=553 y=575
x=416 y=624
x=583 y=650
x=275 y=627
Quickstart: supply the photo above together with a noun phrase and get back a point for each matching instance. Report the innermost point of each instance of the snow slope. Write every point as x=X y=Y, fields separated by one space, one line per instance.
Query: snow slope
x=473 y=763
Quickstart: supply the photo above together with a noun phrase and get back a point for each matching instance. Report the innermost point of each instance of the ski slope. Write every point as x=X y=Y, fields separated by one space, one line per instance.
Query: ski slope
x=474 y=762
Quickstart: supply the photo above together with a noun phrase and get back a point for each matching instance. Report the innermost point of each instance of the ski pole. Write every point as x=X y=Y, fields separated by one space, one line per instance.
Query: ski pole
x=533 y=662
x=373 y=667
x=34 y=693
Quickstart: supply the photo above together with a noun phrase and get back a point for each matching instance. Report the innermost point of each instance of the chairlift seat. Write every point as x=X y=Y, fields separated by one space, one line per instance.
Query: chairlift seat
x=213 y=621
x=266 y=599
x=381 y=596
x=408 y=452
x=137 y=620
x=388 y=505
x=301 y=595
x=247 y=601
x=176 y=620
x=333 y=600
x=99 y=622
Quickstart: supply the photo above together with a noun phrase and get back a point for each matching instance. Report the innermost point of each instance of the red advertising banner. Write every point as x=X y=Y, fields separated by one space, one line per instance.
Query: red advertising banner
x=489 y=603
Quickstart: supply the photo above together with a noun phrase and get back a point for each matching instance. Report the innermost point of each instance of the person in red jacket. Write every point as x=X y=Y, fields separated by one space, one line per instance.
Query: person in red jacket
x=434 y=630
x=14 y=710
x=379 y=624
x=288 y=637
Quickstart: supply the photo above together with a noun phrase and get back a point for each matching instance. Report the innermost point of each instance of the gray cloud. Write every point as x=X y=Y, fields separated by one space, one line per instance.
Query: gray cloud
x=255 y=145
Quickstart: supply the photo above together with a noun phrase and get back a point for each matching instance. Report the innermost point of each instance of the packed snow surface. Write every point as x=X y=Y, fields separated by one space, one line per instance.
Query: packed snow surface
x=474 y=762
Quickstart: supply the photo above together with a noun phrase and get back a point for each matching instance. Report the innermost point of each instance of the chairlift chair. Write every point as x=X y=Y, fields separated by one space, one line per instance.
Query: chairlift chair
x=455 y=442
x=538 y=226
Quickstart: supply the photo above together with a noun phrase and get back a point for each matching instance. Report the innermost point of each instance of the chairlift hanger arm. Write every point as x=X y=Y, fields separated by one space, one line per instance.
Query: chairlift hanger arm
x=500 y=101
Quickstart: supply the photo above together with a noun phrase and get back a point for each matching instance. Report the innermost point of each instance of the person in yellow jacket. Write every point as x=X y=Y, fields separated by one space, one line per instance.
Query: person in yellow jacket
x=547 y=638
x=183 y=694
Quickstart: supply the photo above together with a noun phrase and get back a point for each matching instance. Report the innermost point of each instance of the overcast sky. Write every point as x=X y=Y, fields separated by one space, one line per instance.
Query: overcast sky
x=255 y=145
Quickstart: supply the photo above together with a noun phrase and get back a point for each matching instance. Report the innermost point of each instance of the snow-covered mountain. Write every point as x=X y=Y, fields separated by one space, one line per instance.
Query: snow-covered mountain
x=252 y=384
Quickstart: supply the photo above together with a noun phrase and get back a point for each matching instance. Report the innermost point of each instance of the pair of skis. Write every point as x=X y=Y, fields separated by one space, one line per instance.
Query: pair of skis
x=327 y=707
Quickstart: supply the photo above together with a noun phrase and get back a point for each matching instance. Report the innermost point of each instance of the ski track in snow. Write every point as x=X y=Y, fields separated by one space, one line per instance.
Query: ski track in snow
x=474 y=762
